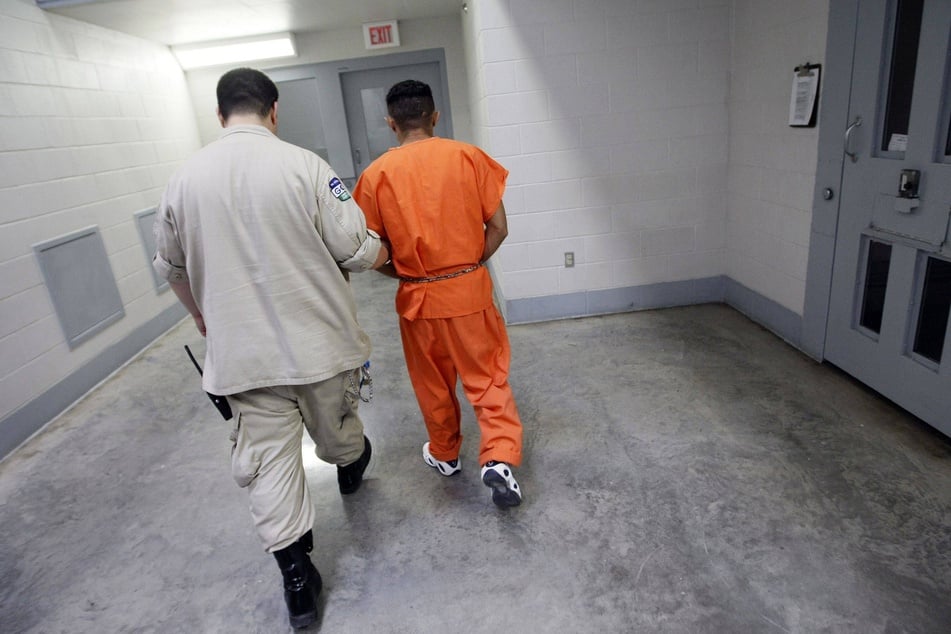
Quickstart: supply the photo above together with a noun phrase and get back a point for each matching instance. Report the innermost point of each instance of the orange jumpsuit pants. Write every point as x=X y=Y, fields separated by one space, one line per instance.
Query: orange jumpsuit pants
x=475 y=349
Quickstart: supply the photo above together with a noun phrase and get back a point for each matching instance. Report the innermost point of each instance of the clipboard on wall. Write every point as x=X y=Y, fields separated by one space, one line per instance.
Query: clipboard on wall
x=804 y=95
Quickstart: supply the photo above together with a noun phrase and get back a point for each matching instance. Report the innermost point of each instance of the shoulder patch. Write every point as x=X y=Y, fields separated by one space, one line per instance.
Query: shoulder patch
x=338 y=189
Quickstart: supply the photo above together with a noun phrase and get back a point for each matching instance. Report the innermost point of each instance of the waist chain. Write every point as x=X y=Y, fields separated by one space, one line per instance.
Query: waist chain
x=436 y=278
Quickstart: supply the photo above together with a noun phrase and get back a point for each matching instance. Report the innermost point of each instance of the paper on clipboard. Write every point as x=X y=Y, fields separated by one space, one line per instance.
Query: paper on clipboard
x=802 y=101
x=898 y=143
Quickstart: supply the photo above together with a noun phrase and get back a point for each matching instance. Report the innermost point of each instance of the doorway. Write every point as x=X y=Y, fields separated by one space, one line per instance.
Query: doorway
x=322 y=105
x=890 y=291
x=364 y=97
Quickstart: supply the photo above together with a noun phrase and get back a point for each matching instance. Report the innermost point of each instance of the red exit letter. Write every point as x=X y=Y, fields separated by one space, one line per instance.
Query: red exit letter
x=380 y=35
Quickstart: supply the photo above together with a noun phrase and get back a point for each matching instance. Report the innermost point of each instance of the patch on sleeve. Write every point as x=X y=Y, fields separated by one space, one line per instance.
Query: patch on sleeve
x=338 y=189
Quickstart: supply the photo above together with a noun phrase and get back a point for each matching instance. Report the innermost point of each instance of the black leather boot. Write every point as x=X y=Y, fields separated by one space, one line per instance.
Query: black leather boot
x=302 y=582
x=350 y=478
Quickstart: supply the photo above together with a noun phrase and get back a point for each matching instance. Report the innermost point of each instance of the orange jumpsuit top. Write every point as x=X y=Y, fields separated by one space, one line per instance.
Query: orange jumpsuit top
x=430 y=199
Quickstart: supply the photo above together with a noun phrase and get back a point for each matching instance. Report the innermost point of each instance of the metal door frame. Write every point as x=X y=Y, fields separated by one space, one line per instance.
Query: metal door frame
x=444 y=128
x=330 y=94
x=833 y=120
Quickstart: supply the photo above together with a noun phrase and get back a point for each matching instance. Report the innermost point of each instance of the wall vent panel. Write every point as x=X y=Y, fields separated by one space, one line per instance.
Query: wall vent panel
x=80 y=283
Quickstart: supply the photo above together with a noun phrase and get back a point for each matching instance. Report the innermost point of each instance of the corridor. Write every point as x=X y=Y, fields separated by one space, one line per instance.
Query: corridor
x=686 y=471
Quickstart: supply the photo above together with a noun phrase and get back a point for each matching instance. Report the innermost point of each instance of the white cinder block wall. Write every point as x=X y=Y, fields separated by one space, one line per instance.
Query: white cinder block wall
x=612 y=117
x=91 y=124
x=772 y=166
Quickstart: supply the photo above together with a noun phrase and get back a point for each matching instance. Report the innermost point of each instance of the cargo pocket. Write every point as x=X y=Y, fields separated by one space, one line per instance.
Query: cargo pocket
x=351 y=393
x=244 y=462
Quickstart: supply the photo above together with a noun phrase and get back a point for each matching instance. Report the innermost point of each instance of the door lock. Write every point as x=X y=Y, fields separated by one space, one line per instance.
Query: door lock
x=908 y=183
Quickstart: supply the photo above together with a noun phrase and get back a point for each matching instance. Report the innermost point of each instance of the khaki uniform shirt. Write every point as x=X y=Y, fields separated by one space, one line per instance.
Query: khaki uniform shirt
x=264 y=231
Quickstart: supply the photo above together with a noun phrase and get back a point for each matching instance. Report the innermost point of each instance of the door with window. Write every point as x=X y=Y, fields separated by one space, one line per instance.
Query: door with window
x=891 y=282
x=364 y=96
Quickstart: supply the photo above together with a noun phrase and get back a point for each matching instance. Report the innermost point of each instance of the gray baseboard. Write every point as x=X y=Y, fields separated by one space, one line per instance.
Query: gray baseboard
x=720 y=289
x=17 y=427
x=775 y=317
x=616 y=300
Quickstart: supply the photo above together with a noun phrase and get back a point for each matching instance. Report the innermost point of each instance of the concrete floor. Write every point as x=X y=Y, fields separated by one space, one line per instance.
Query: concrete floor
x=685 y=471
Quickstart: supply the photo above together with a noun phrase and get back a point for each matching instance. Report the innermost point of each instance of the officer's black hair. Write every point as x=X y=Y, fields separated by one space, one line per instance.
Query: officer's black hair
x=245 y=91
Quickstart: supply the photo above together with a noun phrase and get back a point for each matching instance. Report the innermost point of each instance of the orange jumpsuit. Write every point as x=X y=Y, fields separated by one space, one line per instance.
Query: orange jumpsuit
x=430 y=199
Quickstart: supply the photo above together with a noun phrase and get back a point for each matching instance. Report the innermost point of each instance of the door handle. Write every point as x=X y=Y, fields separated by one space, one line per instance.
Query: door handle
x=848 y=139
x=356 y=154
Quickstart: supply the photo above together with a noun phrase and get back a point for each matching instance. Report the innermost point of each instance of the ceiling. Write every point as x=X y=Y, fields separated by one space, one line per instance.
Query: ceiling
x=185 y=21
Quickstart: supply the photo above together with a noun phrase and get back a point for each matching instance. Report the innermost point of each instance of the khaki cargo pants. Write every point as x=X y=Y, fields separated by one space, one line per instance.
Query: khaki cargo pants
x=266 y=449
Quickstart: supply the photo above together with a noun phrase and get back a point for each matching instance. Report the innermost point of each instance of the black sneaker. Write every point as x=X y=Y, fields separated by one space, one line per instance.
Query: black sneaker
x=498 y=476
x=350 y=477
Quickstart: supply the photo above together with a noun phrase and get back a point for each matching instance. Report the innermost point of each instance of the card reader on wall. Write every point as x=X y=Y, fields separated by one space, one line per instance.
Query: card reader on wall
x=907 y=200
x=908 y=182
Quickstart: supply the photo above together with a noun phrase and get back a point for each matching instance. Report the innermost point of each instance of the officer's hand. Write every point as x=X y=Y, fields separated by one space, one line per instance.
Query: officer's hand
x=200 y=323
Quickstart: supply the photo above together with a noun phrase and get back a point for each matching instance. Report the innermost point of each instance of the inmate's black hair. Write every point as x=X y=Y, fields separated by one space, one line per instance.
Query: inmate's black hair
x=245 y=91
x=409 y=103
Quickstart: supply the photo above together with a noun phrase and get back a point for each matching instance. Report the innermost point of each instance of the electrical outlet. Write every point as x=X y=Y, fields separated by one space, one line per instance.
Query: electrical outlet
x=569 y=259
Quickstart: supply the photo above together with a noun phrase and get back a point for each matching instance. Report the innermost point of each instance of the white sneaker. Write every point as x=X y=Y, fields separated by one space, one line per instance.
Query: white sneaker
x=498 y=476
x=445 y=468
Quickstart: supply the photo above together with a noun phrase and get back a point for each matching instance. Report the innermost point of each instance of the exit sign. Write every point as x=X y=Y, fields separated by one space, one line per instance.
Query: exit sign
x=381 y=34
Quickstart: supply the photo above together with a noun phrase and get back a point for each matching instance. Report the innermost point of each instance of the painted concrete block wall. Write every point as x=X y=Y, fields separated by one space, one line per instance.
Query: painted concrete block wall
x=92 y=122
x=772 y=166
x=472 y=20
x=611 y=116
x=326 y=46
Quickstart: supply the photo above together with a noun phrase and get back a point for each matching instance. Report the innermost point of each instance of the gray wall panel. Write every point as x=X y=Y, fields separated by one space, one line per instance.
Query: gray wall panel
x=80 y=282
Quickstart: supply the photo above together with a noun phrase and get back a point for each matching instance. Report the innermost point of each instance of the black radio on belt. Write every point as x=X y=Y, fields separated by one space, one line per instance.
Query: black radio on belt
x=221 y=402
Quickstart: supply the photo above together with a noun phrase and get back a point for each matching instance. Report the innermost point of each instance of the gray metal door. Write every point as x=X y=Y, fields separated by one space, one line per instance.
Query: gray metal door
x=891 y=282
x=364 y=96
x=299 y=118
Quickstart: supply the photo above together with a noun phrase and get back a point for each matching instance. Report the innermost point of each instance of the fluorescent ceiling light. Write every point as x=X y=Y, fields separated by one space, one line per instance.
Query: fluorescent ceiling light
x=238 y=50
x=52 y=4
